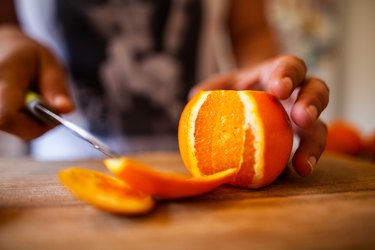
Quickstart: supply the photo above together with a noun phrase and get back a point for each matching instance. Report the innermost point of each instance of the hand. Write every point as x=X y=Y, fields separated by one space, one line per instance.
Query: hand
x=303 y=97
x=25 y=64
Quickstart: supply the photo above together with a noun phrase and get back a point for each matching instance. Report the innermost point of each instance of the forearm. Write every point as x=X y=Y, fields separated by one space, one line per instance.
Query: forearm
x=253 y=50
x=250 y=33
x=8 y=13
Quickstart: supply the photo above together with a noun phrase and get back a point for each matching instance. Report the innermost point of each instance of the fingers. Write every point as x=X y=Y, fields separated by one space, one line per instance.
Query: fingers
x=312 y=99
x=280 y=76
x=311 y=146
x=287 y=73
x=13 y=118
x=52 y=85
x=21 y=125
x=305 y=98
x=23 y=63
x=223 y=81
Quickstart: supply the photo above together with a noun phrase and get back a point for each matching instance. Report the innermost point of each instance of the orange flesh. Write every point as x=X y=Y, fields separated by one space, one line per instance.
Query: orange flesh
x=224 y=134
x=246 y=173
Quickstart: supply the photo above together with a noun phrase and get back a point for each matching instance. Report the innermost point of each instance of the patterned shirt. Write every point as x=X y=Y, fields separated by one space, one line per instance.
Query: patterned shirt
x=133 y=62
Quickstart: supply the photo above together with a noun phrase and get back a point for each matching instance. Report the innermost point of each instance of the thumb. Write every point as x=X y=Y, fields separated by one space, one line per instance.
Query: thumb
x=52 y=83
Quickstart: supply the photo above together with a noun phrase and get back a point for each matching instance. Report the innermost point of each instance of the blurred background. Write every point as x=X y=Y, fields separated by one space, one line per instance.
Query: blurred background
x=335 y=37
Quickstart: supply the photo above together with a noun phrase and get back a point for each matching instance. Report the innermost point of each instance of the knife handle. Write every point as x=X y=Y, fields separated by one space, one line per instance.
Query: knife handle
x=35 y=104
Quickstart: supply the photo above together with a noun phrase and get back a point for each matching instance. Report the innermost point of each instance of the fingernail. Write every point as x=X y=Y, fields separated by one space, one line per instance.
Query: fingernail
x=288 y=83
x=62 y=101
x=282 y=88
x=311 y=162
x=312 y=111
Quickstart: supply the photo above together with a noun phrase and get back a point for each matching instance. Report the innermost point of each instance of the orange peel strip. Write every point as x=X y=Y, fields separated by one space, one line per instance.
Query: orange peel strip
x=165 y=185
x=105 y=192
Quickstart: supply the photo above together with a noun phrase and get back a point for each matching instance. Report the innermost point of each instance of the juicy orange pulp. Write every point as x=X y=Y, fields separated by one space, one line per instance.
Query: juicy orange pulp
x=246 y=130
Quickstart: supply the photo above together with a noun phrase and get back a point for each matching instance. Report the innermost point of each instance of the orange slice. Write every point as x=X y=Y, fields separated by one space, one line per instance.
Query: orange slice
x=246 y=130
x=105 y=192
x=165 y=185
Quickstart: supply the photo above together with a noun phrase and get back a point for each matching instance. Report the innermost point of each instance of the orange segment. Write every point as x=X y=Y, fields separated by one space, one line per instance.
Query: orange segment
x=246 y=130
x=246 y=172
x=165 y=185
x=219 y=133
x=186 y=132
x=105 y=192
x=251 y=170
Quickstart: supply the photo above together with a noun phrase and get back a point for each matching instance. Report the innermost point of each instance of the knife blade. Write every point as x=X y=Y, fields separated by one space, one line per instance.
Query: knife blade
x=39 y=109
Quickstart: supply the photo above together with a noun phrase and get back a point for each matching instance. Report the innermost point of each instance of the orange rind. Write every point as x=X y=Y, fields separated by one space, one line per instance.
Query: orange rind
x=105 y=192
x=162 y=184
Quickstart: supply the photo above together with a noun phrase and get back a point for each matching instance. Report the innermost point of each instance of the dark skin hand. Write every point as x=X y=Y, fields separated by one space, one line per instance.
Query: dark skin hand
x=303 y=97
x=25 y=64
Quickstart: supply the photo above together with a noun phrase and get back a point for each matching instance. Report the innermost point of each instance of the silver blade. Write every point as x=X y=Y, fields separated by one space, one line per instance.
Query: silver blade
x=47 y=115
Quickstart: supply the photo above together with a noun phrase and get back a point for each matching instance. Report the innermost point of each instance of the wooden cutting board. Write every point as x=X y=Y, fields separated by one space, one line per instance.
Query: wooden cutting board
x=334 y=208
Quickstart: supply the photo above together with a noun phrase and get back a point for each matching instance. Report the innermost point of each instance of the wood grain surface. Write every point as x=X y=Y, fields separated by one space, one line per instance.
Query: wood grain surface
x=332 y=209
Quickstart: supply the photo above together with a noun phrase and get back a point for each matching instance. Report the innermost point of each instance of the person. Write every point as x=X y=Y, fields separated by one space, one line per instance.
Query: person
x=134 y=63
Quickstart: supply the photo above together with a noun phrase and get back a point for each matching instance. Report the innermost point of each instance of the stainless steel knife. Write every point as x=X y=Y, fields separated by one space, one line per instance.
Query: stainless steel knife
x=35 y=104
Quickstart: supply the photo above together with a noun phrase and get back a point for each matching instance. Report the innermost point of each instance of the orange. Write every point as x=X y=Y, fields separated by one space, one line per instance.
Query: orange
x=105 y=192
x=370 y=146
x=344 y=138
x=246 y=130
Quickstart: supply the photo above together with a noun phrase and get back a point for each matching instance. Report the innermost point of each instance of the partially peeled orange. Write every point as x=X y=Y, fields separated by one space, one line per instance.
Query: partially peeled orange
x=246 y=130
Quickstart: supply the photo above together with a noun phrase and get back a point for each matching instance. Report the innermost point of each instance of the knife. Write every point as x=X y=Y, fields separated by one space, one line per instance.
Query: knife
x=40 y=109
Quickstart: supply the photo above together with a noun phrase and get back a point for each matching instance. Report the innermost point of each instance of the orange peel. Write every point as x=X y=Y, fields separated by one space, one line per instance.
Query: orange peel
x=105 y=192
x=165 y=185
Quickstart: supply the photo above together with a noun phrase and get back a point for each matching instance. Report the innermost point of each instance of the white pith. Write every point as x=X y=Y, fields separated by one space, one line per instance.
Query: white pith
x=253 y=122
x=191 y=137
